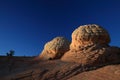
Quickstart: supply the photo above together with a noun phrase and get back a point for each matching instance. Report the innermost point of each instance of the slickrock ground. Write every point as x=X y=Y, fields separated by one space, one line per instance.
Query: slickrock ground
x=20 y=68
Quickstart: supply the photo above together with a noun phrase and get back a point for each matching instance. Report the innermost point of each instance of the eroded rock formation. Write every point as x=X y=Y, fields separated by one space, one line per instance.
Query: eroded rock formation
x=55 y=48
x=90 y=46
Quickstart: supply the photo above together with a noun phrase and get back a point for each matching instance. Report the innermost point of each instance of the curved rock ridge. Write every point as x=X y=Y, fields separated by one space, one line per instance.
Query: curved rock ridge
x=90 y=46
x=55 y=48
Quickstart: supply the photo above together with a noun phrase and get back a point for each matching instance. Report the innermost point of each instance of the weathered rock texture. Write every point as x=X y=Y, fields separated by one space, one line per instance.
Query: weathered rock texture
x=87 y=35
x=55 y=48
x=90 y=47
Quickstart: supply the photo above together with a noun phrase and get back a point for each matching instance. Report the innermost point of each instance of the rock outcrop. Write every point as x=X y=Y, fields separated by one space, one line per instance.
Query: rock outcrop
x=90 y=46
x=55 y=48
x=89 y=58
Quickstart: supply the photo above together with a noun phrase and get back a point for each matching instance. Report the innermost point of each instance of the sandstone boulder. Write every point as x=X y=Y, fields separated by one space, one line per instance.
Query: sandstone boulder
x=55 y=48
x=90 y=46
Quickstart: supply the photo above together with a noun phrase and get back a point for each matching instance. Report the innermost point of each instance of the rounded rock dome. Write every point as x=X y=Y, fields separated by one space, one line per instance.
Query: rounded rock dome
x=89 y=34
x=55 y=48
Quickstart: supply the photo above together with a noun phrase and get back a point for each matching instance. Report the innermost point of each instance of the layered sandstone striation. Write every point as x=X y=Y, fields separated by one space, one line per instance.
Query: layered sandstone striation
x=90 y=46
x=55 y=48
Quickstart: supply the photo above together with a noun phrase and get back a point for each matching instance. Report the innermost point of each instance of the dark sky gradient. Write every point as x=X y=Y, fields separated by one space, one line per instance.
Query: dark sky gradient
x=26 y=25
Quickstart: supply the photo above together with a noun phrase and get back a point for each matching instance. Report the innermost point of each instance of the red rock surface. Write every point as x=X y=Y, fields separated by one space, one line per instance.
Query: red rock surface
x=111 y=72
x=93 y=55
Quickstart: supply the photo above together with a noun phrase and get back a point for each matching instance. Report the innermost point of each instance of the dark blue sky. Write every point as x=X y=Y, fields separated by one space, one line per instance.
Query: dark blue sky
x=26 y=25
